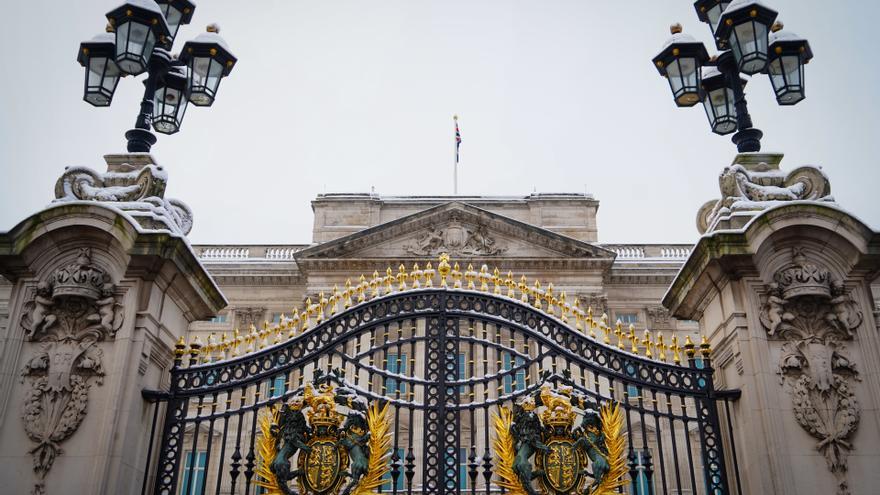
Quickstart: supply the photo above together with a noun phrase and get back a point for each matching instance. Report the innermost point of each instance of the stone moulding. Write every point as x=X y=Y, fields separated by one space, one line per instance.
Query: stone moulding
x=814 y=316
x=71 y=311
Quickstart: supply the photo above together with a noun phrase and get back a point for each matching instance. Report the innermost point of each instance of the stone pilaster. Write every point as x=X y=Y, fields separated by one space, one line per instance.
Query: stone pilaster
x=103 y=283
x=781 y=285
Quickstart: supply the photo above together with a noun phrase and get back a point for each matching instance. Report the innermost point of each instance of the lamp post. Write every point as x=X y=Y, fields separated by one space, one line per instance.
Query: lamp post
x=750 y=42
x=140 y=34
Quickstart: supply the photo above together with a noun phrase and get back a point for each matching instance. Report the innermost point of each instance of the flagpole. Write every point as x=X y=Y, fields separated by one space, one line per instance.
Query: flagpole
x=455 y=165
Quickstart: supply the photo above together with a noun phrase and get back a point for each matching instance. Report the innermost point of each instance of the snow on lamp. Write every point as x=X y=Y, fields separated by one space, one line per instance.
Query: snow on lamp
x=209 y=60
x=139 y=25
x=176 y=13
x=787 y=55
x=744 y=28
x=102 y=74
x=680 y=61
x=169 y=104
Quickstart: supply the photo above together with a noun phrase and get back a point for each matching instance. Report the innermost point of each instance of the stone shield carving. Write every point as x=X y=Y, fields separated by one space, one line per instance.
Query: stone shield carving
x=815 y=316
x=455 y=239
x=74 y=309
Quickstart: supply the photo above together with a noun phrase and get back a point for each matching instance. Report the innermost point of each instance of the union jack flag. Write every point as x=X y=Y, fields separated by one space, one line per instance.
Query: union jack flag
x=457 y=138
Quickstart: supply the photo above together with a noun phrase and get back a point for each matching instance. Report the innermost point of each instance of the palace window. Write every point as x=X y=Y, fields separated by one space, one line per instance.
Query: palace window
x=396 y=363
x=632 y=391
x=516 y=381
x=276 y=317
x=219 y=318
x=641 y=483
x=401 y=479
x=627 y=318
x=279 y=386
x=194 y=465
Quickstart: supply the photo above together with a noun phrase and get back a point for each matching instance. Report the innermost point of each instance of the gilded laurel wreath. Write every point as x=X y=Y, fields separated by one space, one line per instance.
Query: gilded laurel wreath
x=332 y=447
x=561 y=453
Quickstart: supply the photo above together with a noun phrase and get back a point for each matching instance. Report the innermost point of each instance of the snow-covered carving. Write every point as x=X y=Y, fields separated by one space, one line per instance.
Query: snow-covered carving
x=455 y=239
x=71 y=311
x=245 y=317
x=816 y=315
x=761 y=186
x=139 y=190
x=659 y=318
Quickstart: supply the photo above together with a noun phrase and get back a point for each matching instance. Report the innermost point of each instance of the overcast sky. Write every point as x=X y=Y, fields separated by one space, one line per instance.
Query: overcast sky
x=342 y=96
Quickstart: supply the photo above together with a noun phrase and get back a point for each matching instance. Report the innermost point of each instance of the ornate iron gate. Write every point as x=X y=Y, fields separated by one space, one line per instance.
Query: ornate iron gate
x=446 y=360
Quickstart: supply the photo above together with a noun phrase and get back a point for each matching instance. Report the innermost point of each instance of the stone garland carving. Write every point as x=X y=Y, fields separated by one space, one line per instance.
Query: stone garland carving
x=815 y=315
x=455 y=239
x=137 y=190
x=659 y=318
x=761 y=187
x=71 y=311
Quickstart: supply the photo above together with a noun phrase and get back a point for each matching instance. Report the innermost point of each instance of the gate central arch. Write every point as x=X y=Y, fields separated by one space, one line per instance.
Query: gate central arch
x=446 y=356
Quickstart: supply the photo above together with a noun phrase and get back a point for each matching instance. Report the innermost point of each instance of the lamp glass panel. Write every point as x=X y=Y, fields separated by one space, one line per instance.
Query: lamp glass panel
x=714 y=14
x=786 y=75
x=172 y=17
x=96 y=70
x=169 y=105
x=111 y=76
x=749 y=43
x=682 y=74
x=720 y=110
x=206 y=73
x=134 y=43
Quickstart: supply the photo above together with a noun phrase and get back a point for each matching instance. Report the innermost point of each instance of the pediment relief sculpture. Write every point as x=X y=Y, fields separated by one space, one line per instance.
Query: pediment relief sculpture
x=72 y=310
x=455 y=239
x=815 y=315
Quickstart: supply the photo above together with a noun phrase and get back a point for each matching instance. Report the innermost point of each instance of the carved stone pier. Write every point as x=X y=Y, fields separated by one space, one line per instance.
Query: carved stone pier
x=104 y=283
x=781 y=284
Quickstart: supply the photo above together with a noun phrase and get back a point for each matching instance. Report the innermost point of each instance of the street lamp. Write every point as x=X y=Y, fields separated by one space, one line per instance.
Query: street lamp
x=742 y=31
x=143 y=33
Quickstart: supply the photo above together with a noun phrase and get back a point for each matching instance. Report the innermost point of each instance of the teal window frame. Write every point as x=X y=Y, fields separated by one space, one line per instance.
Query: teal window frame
x=641 y=483
x=392 y=385
x=517 y=381
x=627 y=318
x=279 y=386
x=462 y=467
x=198 y=471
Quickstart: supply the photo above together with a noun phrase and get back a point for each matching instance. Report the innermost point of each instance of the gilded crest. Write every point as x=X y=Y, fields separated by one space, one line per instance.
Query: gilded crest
x=545 y=446
x=342 y=445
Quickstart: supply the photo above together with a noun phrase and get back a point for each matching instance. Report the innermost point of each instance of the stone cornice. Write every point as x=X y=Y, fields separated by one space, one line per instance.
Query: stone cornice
x=149 y=250
x=729 y=254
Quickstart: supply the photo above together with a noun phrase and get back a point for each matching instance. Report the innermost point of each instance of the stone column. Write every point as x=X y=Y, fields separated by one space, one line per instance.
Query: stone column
x=781 y=282
x=104 y=282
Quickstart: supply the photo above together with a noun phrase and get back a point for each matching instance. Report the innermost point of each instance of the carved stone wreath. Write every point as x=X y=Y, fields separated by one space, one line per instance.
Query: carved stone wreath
x=72 y=310
x=815 y=315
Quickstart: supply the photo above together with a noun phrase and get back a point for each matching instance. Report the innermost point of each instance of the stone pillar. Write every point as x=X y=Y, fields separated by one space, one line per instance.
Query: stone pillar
x=104 y=282
x=781 y=282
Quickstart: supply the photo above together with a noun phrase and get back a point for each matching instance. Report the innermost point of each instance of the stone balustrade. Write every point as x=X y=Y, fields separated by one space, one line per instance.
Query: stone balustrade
x=625 y=252
x=235 y=253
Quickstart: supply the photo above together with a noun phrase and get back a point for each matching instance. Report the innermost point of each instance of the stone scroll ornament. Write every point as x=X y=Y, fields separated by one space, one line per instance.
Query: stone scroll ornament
x=337 y=453
x=71 y=311
x=815 y=316
x=545 y=446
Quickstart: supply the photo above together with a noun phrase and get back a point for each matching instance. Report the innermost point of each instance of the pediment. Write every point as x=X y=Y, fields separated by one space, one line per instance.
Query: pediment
x=459 y=229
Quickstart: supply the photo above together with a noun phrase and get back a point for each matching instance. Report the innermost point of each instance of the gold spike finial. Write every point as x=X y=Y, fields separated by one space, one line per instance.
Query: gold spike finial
x=429 y=275
x=443 y=268
x=676 y=356
x=634 y=348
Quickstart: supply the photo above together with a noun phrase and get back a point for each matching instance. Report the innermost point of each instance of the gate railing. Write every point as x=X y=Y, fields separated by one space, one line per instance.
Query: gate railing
x=444 y=359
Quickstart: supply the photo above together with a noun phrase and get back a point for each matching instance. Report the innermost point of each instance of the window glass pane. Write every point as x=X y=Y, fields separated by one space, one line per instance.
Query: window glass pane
x=628 y=318
x=516 y=381
x=276 y=317
x=279 y=386
x=395 y=364
x=462 y=372
x=194 y=465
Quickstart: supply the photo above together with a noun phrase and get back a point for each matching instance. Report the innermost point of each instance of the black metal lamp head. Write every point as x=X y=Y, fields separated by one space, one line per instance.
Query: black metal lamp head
x=209 y=60
x=787 y=54
x=744 y=28
x=169 y=104
x=102 y=74
x=709 y=11
x=139 y=25
x=176 y=13
x=718 y=101
x=680 y=61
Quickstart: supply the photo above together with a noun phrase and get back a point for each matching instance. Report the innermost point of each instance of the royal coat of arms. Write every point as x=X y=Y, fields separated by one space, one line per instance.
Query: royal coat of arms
x=537 y=441
x=337 y=453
